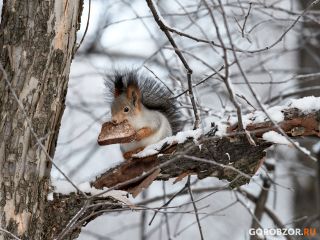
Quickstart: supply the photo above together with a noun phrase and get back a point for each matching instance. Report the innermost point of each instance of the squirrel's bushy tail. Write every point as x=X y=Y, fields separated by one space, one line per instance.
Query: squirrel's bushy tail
x=153 y=94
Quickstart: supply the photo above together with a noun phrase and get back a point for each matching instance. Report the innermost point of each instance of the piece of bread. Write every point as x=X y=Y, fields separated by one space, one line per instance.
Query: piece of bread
x=116 y=133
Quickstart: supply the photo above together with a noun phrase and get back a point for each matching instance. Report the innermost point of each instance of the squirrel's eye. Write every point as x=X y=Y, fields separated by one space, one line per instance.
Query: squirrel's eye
x=126 y=109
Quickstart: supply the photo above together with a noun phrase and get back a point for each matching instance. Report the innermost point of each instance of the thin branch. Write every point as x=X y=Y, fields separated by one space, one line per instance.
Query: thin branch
x=158 y=79
x=87 y=27
x=9 y=233
x=245 y=19
x=195 y=207
x=163 y=27
x=260 y=205
x=167 y=203
x=165 y=214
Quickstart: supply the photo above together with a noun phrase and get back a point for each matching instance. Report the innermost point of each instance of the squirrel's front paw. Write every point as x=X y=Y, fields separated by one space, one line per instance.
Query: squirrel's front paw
x=144 y=133
x=127 y=155
x=138 y=150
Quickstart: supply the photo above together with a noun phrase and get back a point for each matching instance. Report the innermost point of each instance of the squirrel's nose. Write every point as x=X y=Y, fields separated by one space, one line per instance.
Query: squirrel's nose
x=114 y=121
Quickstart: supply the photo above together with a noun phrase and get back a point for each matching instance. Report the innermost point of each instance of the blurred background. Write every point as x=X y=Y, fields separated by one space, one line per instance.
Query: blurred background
x=124 y=34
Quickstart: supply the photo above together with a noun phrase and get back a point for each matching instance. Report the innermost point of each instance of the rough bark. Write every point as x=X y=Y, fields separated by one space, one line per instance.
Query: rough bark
x=37 y=42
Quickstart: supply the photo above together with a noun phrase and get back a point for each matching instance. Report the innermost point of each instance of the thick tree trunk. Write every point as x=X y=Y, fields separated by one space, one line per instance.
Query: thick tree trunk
x=305 y=191
x=37 y=42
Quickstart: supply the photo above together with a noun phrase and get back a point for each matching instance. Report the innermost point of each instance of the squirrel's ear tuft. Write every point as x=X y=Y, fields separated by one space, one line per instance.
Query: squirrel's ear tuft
x=118 y=86
x=133 y=95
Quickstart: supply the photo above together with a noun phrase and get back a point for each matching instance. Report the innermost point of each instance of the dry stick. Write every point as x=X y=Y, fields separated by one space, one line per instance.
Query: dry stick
x=167 y=203
x=260 y=205
x=33 y=132
x=85 y=32
x=254 y=93
x=163 y=27
x=158 y=79
x=317 y=215
x=249 y=210
x=158 y=198
x=9 y=233
x=142 y=208
x=243 y=97
x=208 y=215
x=226 y=78
x=143 y=219
x=140 y=17
x=245 y=19
x=165 y=210
x=195 y=207
x=273 y=181
x=251 y=197
x=270 y=213
x=295 y=221
x=203 y=80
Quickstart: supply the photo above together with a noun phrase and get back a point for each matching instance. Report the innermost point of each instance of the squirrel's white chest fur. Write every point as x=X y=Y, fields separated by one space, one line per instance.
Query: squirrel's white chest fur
x=153 y=119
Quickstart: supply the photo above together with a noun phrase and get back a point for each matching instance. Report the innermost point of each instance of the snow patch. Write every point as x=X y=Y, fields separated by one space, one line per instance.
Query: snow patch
x=180 y=138
x=305 y=104
x=316 y=147
x=50 y=196
x=65 y=187
x=275 y=137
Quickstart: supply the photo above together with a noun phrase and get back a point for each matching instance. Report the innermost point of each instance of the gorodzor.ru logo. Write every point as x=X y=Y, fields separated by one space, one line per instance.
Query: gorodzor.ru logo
x=282 y=231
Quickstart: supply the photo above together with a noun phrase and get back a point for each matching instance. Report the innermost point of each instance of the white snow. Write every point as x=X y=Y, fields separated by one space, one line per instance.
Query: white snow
x=50 y=196
x=275 y=137
x=97 y=174
x=316 y=147
x=305 y=104
x=65 y=187
x=180 y=138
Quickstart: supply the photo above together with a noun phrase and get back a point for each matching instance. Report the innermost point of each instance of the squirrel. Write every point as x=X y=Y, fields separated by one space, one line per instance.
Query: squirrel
x=144 y=103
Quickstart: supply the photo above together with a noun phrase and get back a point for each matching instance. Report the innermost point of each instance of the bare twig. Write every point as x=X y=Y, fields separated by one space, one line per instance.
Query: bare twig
x=195 y=207
x=243 y=97
x=245 y=19
x=9 y=233
x=87 y=27
x=163 y=27
x=260 y=205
